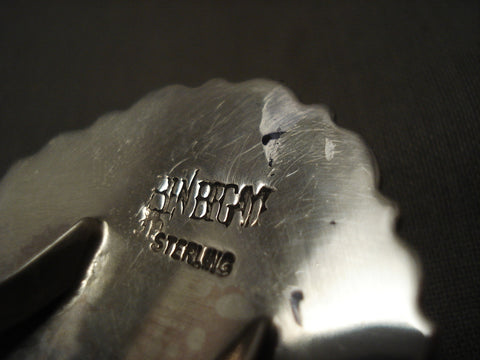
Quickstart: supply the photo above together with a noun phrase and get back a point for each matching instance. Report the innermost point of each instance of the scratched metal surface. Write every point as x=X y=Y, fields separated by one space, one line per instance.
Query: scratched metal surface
x=316 y=253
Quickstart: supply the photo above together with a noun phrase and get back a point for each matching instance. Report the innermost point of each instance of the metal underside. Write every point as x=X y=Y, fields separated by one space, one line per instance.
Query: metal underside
x=205 y=216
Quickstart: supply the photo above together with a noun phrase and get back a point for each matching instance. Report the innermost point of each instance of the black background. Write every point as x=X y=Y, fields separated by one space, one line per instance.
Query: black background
x=404 y=75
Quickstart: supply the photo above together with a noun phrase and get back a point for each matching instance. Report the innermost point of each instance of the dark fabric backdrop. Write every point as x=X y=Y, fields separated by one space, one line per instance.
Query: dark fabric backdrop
x=404 y=75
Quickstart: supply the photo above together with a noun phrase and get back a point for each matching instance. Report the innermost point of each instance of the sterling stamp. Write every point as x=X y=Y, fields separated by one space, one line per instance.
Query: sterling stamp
x=196 y=255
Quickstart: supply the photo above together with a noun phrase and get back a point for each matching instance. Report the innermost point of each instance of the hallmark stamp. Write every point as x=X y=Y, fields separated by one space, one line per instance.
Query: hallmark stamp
x=204 y=200
x=199 y=256
x=207 y=200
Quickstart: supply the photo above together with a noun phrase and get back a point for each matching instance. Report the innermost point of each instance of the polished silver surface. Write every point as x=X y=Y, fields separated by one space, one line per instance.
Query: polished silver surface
x=216 y=210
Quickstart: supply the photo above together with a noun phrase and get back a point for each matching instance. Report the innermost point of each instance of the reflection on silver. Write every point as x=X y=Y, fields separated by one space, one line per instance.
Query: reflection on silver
x=222 y=208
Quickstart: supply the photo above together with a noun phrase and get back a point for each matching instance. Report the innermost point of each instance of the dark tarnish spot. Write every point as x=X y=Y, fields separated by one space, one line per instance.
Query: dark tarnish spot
x=333 y=222
x=272 y=136
x=295 y=298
